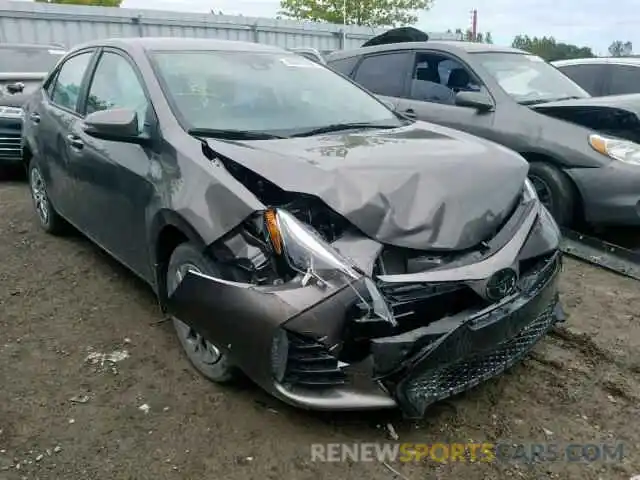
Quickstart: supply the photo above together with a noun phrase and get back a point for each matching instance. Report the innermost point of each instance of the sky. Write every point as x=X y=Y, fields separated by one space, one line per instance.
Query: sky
x=581 y=22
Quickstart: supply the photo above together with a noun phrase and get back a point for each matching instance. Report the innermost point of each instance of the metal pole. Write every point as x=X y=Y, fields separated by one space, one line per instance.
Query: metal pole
x=344 y=24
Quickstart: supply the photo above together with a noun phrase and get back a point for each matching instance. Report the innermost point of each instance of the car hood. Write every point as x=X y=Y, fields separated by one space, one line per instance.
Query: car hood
x=422 y=186
x=616 y=115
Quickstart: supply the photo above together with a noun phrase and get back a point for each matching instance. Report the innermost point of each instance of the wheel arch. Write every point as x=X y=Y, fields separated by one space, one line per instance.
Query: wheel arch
x=168 y=230
x=532 y=156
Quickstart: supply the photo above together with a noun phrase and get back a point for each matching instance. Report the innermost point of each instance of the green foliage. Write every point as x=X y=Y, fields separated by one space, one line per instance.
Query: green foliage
x=467 y=36
x=621 y=49
x=549 y=49
x=98 y=3
x=373 y=13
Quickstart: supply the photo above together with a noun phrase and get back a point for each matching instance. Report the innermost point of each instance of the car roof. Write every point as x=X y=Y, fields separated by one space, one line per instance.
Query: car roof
x=451 y=46
x=635 y=61
x=180 y=44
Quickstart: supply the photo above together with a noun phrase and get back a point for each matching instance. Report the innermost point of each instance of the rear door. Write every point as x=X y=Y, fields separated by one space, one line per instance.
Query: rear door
x=55 y=118
x=622 y=79
x=590 y=76
x=385 y=74
x=114 y=178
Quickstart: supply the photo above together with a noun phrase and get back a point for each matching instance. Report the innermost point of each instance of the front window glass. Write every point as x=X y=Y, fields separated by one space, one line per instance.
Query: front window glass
x=116 y=85
x=277 y=93
x=528 y=79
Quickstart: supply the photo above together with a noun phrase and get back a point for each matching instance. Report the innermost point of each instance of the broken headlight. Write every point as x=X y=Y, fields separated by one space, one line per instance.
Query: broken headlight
x=622 y=150
x=304 y=249
x=307 y=253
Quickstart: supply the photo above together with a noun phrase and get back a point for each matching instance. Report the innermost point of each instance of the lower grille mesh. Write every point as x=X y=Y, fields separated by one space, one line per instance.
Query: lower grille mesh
x=435 y=385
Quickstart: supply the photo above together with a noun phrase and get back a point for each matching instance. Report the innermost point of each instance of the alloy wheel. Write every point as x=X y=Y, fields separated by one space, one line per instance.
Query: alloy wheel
x=543 y=190
x=39 y=195
x=203 y=350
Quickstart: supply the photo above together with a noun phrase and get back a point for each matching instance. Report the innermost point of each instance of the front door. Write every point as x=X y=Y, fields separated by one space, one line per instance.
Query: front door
x=435 y=80
x=114 y=178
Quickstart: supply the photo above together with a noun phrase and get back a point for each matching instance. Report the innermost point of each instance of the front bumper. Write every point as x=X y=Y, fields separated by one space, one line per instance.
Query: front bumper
x=412 y=366
x=611 y=194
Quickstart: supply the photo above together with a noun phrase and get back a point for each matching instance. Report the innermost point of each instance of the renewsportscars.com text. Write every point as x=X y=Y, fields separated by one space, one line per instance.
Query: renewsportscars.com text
x=467 y=452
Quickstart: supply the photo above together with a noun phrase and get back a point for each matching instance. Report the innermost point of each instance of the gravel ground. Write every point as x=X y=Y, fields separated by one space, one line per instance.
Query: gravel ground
x=69 y=410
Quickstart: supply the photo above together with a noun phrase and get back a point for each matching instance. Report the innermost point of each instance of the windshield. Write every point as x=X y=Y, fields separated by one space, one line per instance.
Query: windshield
x=28 y=59
x=278 y=93
x=528 y=79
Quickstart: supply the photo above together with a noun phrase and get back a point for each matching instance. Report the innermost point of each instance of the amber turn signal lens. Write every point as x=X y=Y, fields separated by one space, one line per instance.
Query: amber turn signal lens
x=274 y=232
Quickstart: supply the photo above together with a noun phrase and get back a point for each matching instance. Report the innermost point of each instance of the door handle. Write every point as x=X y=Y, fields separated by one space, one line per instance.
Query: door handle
x=75 y=142
x=410 y=112
x=35 y=117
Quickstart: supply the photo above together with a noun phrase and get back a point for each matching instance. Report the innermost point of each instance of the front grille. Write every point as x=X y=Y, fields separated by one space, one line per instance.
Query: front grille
x=10 y=145
x=415 y=304
x=311 y=365
x=536 y=272
x=434 y=385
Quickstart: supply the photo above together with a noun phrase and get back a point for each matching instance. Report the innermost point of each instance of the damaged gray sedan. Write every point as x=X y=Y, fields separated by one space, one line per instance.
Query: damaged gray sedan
x=295 y=228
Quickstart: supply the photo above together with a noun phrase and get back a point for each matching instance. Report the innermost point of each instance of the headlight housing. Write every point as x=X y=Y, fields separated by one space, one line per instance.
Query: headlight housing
x=304 y=249
x=306 y=252
x=618 y=149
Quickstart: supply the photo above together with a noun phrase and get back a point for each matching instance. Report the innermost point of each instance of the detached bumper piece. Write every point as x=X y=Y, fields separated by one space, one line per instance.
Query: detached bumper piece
x=428 y=387
x=479 y=347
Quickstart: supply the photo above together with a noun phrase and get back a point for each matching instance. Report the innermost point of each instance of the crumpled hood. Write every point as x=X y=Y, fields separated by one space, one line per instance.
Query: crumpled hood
x=627 y=102
x=616 y=115
x=423 y=186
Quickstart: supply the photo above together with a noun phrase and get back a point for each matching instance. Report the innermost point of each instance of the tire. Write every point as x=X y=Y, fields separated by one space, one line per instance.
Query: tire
x=210 y=360
x=556 y=191
x=50 y=221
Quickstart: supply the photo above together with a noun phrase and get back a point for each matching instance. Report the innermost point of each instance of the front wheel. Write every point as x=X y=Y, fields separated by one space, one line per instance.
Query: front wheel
x=555 y=190
x=49 y=219
x=209 y=359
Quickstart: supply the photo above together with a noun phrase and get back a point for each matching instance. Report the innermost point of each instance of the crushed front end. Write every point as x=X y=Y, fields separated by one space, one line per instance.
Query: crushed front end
x=327 y=318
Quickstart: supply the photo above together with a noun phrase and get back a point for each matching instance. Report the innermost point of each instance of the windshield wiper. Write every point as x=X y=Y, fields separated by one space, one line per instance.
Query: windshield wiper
x=337 y=127
x=548 y=100
x=232 y=134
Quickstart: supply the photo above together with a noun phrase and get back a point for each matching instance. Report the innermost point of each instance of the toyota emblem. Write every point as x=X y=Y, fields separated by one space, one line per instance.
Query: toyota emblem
x=501 y=284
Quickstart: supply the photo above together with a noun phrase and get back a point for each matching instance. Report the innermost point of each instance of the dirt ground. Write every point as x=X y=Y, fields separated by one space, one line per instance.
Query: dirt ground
x=68 y=412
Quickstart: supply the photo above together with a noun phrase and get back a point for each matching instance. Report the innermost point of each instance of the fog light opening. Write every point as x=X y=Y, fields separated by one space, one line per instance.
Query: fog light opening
x=279 y=354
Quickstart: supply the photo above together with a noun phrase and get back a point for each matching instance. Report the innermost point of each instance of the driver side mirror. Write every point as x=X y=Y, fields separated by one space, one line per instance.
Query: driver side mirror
x=478 y=100
x=117 y=124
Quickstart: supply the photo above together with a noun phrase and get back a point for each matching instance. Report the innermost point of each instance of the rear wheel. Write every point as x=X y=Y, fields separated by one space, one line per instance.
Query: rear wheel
x=209 y=359
x=555 y=190
x=49 y=219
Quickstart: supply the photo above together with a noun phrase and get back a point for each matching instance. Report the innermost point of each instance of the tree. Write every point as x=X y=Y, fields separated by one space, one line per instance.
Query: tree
x=371 y=13
x=549 y=49
x=620 y=49
x=97 y=3
x=467 y=36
